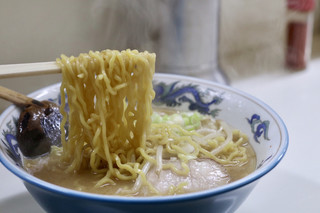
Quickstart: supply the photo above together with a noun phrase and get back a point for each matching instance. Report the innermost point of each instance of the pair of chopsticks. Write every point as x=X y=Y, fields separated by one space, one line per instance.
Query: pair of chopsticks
x=28 y=69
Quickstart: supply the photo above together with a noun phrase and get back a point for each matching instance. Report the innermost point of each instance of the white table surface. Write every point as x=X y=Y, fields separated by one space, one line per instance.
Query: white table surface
x=293 y=186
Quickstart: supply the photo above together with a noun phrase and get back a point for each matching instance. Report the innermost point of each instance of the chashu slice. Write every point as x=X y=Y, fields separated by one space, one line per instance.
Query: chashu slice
x=204 y=174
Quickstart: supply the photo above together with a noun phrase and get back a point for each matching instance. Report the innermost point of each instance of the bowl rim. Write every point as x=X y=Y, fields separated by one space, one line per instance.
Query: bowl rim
x=255 y=175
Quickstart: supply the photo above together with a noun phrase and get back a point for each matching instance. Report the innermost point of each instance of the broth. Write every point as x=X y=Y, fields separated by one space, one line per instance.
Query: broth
x=51 y=169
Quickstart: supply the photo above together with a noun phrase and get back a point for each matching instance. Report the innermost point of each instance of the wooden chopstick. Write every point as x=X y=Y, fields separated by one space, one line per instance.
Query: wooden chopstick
x=17 y=98
x=28 y=69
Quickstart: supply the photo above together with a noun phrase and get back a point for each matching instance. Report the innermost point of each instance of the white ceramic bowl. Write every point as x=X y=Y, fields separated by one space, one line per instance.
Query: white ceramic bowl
x=267 y=134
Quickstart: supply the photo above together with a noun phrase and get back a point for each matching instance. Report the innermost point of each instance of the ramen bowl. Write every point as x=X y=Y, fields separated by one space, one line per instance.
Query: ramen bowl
x=266 y=131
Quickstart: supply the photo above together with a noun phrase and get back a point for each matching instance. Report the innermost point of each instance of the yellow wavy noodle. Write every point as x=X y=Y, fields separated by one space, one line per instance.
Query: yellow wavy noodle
x=174 y=138
x=109 y=97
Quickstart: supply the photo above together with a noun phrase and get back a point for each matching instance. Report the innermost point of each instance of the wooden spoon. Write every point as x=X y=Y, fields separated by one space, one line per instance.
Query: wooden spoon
x=38 y=127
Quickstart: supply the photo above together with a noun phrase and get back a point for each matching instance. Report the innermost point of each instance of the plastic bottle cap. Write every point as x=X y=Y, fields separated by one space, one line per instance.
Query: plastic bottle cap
x=301 y=5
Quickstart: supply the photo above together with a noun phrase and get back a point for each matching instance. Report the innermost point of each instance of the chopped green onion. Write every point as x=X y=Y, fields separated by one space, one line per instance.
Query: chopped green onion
x=188 y=120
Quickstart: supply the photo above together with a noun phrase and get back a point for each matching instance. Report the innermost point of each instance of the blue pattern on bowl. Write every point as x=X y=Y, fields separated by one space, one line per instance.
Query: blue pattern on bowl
x=259 y=127
x=173 y=95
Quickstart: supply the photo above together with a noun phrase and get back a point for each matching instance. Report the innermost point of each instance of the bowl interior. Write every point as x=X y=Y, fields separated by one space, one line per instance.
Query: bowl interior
x=267 y=132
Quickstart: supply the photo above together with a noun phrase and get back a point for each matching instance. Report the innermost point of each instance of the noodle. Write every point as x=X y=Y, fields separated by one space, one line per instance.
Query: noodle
x=109 y=96
x=110 y=127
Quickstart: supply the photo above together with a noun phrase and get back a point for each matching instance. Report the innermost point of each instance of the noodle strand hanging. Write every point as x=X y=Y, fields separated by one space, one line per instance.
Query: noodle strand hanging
x=109 y=99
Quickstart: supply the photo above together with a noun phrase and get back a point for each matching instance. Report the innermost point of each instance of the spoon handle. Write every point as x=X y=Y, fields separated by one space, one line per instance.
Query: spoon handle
x=17 y=98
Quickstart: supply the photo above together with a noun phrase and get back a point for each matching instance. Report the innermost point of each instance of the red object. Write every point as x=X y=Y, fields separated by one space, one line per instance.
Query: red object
x=301 y=5
x=296 y=43
x=299 y=32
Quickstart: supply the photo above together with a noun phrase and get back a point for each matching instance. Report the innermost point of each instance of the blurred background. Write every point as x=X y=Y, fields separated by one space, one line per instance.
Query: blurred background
x=224 y=41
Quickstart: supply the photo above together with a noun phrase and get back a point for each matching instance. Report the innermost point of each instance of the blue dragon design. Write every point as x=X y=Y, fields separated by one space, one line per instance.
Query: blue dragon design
x=172 y=95
x=259 y=127
x=12 y=145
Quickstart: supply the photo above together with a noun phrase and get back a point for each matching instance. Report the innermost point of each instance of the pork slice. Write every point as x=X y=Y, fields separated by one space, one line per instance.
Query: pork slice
x=204 y=174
